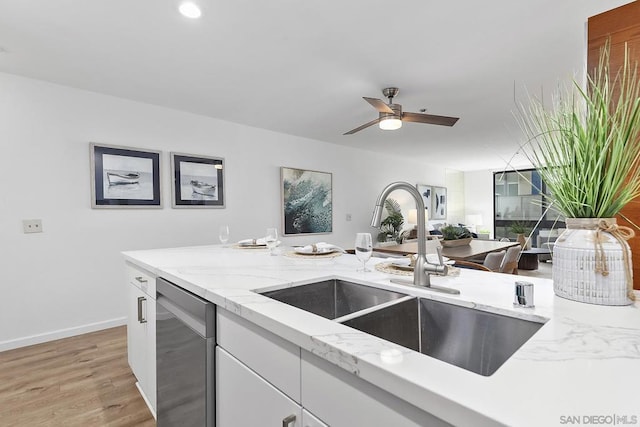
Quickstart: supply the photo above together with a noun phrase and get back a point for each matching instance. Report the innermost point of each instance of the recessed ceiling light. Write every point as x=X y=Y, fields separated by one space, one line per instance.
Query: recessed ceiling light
x=190 y=10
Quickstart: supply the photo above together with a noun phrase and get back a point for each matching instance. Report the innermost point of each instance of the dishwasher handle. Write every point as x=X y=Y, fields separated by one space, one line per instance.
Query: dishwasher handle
x=196 y=324
x=194 y=311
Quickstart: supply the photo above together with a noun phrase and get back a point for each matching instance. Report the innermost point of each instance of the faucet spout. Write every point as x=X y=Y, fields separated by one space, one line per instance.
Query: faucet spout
x=419 y=276
x=422 y=268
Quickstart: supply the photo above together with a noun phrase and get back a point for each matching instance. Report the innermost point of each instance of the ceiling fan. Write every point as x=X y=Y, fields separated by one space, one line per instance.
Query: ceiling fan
x=390 y=116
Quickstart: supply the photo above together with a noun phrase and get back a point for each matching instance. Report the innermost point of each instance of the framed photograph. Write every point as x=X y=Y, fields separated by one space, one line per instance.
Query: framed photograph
x=307 y=206
x=123 y=177
x=197 y=181
x=426 y=193
x=439 y=203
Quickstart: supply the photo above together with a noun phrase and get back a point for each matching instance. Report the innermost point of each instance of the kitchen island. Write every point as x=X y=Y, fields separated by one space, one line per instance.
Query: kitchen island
x=581 y=364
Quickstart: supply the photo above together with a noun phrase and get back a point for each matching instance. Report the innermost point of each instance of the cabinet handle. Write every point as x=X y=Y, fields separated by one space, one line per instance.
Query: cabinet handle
x=140 y=318
x=141 y=279
x=286 y=422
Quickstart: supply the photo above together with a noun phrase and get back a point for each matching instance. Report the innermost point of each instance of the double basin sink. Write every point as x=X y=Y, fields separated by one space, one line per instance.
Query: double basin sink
x=471 y=339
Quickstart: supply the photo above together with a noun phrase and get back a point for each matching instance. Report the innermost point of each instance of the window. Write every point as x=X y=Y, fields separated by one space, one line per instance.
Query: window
x=520 y=196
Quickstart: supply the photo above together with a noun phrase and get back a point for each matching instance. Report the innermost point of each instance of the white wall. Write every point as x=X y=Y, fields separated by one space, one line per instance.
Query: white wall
x=456 y=196
x=478 y=196
x=70 y=278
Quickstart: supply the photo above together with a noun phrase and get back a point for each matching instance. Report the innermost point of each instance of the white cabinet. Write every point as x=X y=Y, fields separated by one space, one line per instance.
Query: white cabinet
x=136 y=332
x=341 y=399
x=271 y=357
x=141 y=331
x=261 y=379
x=259 y=370
x=243 y=398
x=309 y=420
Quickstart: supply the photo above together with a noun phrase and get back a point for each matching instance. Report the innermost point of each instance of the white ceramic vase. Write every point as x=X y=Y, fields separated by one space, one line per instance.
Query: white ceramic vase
x=575 y=265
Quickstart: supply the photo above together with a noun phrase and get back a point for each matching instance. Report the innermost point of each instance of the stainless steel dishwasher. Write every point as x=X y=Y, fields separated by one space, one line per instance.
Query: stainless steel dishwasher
x=185 y=348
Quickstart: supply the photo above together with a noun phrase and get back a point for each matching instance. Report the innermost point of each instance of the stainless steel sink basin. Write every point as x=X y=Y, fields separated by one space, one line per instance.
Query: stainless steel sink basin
x=471 y=339
x=333 y=298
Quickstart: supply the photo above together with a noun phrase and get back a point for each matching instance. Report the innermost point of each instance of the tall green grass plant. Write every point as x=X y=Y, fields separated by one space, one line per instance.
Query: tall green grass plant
x=587 y=146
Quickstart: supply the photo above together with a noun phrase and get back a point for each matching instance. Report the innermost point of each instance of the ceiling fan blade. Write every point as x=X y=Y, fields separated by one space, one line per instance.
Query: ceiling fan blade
x=364 y=126
x=379 y=105
x=429 y=118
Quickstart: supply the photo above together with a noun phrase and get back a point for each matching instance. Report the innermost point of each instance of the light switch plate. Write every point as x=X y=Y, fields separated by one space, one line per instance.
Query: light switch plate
x=32 y=225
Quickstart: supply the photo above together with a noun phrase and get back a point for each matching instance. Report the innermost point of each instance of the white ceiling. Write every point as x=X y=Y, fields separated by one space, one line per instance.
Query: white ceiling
x=301 y=67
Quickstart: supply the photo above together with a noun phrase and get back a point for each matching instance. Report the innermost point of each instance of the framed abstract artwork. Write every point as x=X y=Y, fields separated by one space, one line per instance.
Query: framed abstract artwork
x=197 y=181
x=307 y=206
x=124 y=177
x=426 y=193
x=439 y=203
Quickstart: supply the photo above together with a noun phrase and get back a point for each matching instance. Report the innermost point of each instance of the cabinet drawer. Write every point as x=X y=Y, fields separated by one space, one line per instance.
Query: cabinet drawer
x=273 y=358
x=245 y=399
x=141 y=279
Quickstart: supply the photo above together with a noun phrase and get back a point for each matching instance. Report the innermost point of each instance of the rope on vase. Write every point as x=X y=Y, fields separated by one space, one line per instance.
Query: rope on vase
x=621 y=234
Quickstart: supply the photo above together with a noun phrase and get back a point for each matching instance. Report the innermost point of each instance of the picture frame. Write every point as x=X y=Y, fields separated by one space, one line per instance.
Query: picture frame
x=124 y=177
x=197 y=181
x=426 y=191
x=307 y=204
x=439 y=203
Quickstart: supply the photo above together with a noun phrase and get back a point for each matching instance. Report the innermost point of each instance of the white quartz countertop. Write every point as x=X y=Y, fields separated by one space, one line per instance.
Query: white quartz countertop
x=582 y=366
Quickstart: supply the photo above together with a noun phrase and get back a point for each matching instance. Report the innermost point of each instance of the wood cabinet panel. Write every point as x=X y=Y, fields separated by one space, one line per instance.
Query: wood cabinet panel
x=632 y=211
x=621 y=25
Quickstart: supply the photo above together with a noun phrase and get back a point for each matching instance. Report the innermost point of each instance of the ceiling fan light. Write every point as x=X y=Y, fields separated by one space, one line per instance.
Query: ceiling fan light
x=190 y=10
x=390 y=123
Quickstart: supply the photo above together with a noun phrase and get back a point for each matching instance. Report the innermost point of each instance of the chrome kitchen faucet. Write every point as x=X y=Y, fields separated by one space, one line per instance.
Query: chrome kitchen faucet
x=422 y=269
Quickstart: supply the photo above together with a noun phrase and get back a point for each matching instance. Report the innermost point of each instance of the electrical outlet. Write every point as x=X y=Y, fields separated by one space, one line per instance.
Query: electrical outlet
x=32 y=225
x=348 y=217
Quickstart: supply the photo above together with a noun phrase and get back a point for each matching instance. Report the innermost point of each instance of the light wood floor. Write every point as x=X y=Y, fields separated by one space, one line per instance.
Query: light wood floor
x=79 y=381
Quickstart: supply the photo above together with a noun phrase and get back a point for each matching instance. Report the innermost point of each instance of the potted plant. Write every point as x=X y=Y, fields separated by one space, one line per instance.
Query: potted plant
x=521 y=229
x=391 y=226
x=453 y=235
x=587 y=150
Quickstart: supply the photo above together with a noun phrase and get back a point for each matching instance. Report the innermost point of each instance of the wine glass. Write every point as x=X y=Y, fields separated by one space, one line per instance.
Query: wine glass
x=364 y=249
x=271 y=239
x=223 y=234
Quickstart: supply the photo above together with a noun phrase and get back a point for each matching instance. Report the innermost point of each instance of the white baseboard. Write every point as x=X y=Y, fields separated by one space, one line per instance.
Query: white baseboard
x=61 y=333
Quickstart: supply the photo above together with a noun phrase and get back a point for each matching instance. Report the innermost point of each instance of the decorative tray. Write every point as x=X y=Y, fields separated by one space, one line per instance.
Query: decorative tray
x=311 y=255
x=406 y=270
x=390 y=268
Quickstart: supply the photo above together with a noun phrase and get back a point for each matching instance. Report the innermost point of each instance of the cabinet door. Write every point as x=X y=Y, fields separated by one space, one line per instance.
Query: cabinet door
x=136 y=334
x=271 y=357
x=149 y=386
x=245 y=399
x=141 y=342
